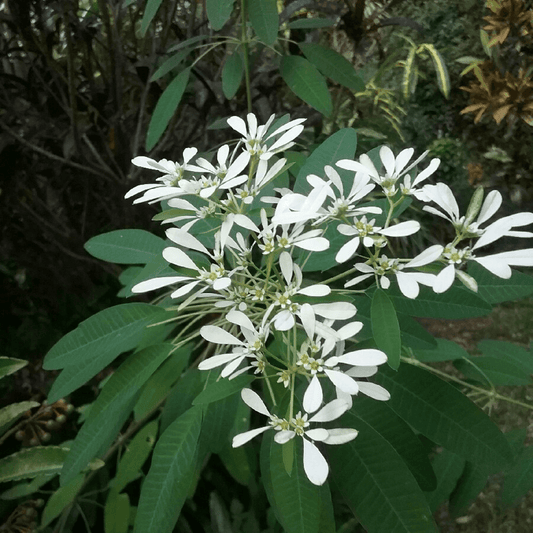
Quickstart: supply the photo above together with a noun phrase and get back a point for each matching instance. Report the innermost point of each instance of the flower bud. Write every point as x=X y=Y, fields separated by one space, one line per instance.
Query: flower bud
x=474 y=206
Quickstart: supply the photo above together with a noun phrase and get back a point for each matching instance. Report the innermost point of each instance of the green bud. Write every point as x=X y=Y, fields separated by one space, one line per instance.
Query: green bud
x=475 y=206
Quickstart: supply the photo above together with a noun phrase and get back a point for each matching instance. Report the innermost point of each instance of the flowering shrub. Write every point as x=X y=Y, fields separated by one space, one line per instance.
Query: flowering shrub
x=249 y=308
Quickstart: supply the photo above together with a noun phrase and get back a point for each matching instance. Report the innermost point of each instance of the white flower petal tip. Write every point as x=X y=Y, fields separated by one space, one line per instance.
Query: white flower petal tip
x=315 y=466
x=254 y=401
x=340 y=436
x=313 y=396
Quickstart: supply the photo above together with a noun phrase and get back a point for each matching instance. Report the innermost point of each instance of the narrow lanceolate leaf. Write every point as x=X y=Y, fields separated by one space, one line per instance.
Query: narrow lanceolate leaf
x=414 y=335
x=117 y=513
x=497 y=290
x=306 y=82
x=448 y=469
x=443 y=78
x=111 y=406
x=167 y=484
x=377 y=485
x=9 y=365
x=165 y=108
x=455 y=303
x=232 y=75
x=295 y=500
x=493 y=371
x=170 y=64
x=33 y=462
x=222 y=389
x=469 y=485
x=507 y=351
x=218 y=12
x=519 y=478
x=126 y=246
x=264 y=19
x=60 y=499
x=25 y=489
x=311 y=24
x=137 y=451
x=13 y=412
x=444 y=351
x=385 y=327
x=400 y=436
x=149 y=13
x=333 y=65
x=409 y=74
x=443 y=414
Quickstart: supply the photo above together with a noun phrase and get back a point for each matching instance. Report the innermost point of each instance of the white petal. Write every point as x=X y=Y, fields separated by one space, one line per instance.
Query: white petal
x=427 y=256
x=284 y=320
x=313 y=396
x=362 y=371
x=498 y=268
x=403 y=158
x=286 y=265
x=244 y=222
x=243 y=438
x=467 y=280
x=433 y=165
x=284 y=436
x=219 y=336
x=330 y=411
x=374 y=391
x=368 y=357
x=307 y=316
x=253 y=400
x=492 y=203
x=408 y=284
x=141 y=188
x=347 y=250
x=444 y=279
x=156 y=283
x=402 y=229
x=179 y=258
x=317 y=434
x=238 y=124
x=184 y=290
x=340 y=435
x=221 y=283
x=342 y=381
x=317 y=244
x=239 y=318
x=387 y=158
x=315 y=290
x=218 y=360
x=231 y=367
x=336 y=310
x=349 y=330
x=315 y=466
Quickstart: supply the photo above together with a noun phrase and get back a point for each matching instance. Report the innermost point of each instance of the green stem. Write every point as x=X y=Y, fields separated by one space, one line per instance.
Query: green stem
x=244 y=40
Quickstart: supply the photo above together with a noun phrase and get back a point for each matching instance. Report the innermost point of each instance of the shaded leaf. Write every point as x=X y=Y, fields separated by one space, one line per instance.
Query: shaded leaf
x=311 y=24
x=448 y=469
x=170 y=64
x=13 y=412
x=149 y=13
x=470 y=484
x=62 y=497
x=25 y=489
x=232 y=76
x=492 y=371
x=8 y=365
x=507 y=351
x=385 y=327
x=444 y=351
x=218 y=12
x=264 y=18
x=306 y=82
x=519 y=478
x=222 y=388
x=415 y=335
x=117 y=513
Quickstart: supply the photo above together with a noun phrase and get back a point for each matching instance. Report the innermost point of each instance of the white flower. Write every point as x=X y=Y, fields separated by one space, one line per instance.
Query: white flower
x=254 y=136
x=395 y=168
x=315 y=465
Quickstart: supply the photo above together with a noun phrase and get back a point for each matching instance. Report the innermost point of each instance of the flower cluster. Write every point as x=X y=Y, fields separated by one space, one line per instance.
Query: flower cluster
x=239 y=243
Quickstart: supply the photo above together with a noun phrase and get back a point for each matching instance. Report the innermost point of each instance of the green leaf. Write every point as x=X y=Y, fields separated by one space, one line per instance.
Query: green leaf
x=448 y=469
x=135 y=456
x=455 y=303
x=96 y=342
x=149 y=13
x=222 y=389
x=126 y=246
x=519 y=479
x=237 y=463
x=170 y=64
x=385 y=327
x=399 y=435
x=492 y=371
x=443 y=79
x=111 y=406
x=409 y=74
x=165 y=108
x=218 y=12
x=264 y=18
x=414 y=335
x=306 y=82
x=340 y=145
x=497 y=290
x=33 y=462
x=167 y=484
x=157 y=268
x=377 y=485
x=232 y=75
x=25 y=489
x=8 y=365
x=117 y=513
x=311 y=24
x=333 y=65
x=295 y=499
x=159 y=385
x=188 y=42
x=507 y=351
x=60 y=499
x=13 y=412
x=445 y=351
x=470 y=484
x=443 y=414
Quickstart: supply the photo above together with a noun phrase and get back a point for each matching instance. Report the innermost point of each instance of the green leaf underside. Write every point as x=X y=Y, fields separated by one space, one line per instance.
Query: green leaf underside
x=295 y=499
x=399 y=435
x=218 y=12
x=333 y=65
x=33 y=462
x=264 y=18
x=454 y=303
x=112 y=406
x=167 y=484
x=306 y=82
x=165 y=108
x=441 y=413
x=497 y=290
x=126 y=246
x=385 y=327
x=11 y=413
x=377 y=485
x=8 y=365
